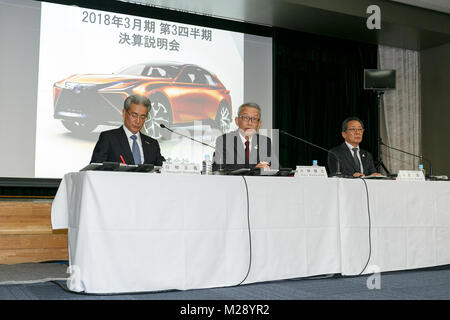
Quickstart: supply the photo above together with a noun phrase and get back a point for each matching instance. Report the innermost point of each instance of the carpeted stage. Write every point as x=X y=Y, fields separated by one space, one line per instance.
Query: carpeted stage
x=45 y=281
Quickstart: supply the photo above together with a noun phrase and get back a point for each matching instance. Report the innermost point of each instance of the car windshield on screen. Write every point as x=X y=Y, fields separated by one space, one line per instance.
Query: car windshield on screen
x=133 y=70
x=162 y=71
x=158 y=71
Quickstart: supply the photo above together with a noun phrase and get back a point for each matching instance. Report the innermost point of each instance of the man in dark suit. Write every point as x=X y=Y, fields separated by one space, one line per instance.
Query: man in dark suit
x=354 y=161
x=126 y=144
x=244 y=148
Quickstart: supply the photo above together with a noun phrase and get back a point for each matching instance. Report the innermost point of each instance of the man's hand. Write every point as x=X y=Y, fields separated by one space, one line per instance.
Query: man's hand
x=359 y=174
x=375 y=174
x=263 y=164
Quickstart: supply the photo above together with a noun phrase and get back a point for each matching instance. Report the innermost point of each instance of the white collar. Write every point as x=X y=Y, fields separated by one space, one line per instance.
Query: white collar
x=129 y=133
x=243 y=138
x=350 y=146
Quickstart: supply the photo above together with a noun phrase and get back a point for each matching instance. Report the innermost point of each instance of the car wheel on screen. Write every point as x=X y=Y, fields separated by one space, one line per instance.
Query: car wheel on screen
x=160 y=113
x=223 y=118
x=77 y=126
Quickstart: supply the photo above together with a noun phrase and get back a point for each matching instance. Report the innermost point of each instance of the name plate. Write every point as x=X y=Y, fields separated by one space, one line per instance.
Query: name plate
x=311 y=171
x=180 y=167
x=410 y=175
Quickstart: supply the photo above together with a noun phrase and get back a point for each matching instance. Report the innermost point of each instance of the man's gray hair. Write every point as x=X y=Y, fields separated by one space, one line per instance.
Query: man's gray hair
x=346 y=121
x=249 y=104
x=136 y=99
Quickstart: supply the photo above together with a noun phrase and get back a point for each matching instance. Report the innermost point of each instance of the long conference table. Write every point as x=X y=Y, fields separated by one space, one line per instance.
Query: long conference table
x=136 y=232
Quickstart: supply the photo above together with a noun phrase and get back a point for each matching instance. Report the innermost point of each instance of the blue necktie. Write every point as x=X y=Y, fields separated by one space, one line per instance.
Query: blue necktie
x=135 y=150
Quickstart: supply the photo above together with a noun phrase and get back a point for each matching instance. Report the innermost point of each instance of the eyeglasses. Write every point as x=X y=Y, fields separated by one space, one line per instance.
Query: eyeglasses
x=354 y=130
x=248 y=119
x=135 y=116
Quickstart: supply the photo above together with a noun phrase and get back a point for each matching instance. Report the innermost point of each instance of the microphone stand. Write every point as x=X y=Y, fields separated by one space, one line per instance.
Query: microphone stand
x=164 y=127
x=411 y=154
x=379 y=141
x=338 y=170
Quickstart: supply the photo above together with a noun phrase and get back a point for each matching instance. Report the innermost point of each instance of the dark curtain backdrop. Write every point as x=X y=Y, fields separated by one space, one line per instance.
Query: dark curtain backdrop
x=318 y=82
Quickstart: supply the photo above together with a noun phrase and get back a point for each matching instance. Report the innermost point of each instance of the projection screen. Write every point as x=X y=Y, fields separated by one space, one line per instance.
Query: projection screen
x=66 y=71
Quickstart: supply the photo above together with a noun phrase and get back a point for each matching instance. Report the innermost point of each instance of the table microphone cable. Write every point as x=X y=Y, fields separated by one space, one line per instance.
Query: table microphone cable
x=249 y=233
x=370 y=227
x=83 y=293
x=370 y=241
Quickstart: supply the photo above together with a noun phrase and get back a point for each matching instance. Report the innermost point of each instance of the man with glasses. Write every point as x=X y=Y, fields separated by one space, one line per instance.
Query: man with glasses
x=245 y=147
x=126 y=144
x=354 y=161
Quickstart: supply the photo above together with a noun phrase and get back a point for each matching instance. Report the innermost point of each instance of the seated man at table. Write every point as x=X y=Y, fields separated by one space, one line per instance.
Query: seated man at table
x=126 y=144
x=353 y=161
x=245 y=147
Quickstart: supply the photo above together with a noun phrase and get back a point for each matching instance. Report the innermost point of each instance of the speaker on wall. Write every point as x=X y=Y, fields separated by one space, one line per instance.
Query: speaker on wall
x=379 y=79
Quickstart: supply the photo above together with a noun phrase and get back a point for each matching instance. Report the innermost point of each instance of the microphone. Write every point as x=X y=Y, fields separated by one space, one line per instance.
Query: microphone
x=338 y=171
x=164 y=127
x=411 y=154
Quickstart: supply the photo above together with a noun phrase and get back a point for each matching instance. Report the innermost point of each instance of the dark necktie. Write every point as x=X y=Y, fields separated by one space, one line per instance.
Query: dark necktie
x=135 y=150
x=355 y=157
x=247 y=152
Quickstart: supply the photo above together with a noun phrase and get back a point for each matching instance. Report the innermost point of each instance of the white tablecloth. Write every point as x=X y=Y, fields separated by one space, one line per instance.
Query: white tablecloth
x=410 y=224
x=132 y=232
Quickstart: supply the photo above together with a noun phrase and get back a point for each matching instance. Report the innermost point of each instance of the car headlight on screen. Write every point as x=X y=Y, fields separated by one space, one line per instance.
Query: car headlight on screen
x=119 y=86
x=60 y=84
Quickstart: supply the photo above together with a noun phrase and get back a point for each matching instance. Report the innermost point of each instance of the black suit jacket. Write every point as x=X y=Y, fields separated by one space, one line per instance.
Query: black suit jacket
x=113 y=143
x=230 y=151
x=348 y=166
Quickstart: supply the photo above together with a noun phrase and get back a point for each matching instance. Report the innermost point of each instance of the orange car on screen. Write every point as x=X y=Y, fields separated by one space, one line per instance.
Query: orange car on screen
x=179 y=93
